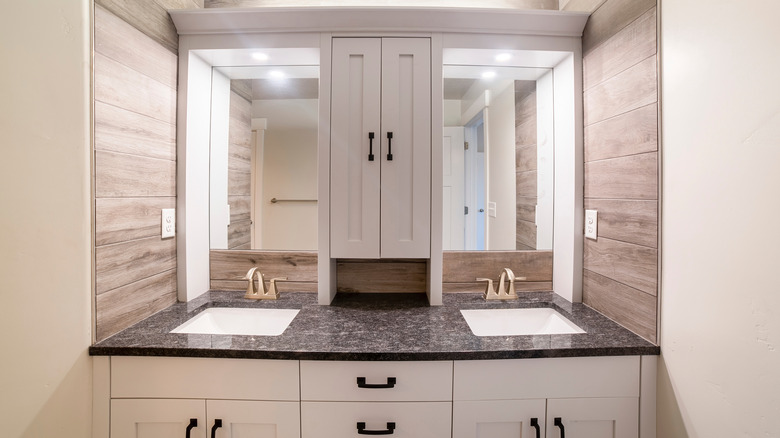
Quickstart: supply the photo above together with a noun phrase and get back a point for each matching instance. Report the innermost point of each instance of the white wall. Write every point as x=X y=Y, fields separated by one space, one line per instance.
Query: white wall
x=45 y=268
x=501 y=170
x=219 y=211
x=720 y=308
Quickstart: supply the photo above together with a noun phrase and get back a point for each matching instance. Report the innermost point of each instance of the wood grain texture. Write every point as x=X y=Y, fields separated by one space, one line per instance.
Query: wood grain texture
x=633 y=265
x=298 y=266
x=119 y=85
x=526 y=183
x=239 y=183
x=127 y=262
x=634 y=43
x=628 y=221
x=629 y=307
x=525 y=158
x=465 y=266
x=239 y=208
x=632 y=177
x=380 y=276
x=282 y=286
x=120 y=130
x=610 y=18
x=122 y=307
x=628 y=90
x=123 y=219
x=525 y=235
x=240 y=168
x=148 y=16
x=520 y=286
x=118 y=40
x=242 y=87
x=239 y=234
x=526 y=211
x=122 y=175
x=634 y=132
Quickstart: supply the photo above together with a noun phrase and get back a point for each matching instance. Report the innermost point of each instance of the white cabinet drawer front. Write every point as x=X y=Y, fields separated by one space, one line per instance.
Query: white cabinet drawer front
x=159 y=418
x=413 y=381
x=176 y=377
x=410 y=420
x=616 y=376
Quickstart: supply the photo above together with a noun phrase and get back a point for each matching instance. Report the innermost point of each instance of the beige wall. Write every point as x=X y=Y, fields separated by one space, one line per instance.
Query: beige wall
x=45 y=219
x=720 y=330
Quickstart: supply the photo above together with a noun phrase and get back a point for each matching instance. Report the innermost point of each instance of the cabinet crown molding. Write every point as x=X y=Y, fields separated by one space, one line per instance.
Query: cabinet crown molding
x=379 y=19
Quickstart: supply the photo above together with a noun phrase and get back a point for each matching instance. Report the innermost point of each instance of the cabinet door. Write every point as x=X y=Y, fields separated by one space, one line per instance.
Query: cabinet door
x=354 y=180
x=256 y=419
x=406 y=178
x=594 y=417
x=498 y=419
x=157 y=418
x=403 y=419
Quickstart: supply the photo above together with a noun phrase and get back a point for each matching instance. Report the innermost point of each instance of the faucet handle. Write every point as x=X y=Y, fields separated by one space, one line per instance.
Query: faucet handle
x=273 y=292
x=490 y=293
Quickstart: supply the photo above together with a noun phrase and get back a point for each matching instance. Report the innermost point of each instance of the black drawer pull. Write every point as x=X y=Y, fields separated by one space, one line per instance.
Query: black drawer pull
x=557 y=422
x=370 y=146
x=193 y=424
x=361 y=427
x=389 y=146
x=535 y=424
x=217 y=425
x=361 y=382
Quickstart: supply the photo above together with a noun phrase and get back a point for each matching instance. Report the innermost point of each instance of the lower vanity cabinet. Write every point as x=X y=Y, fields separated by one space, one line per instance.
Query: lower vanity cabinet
x=352 y=399
x=156 y=397
x=591 y=397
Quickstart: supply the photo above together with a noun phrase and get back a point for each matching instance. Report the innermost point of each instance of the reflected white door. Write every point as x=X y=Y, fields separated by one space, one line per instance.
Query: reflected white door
x=454 y=230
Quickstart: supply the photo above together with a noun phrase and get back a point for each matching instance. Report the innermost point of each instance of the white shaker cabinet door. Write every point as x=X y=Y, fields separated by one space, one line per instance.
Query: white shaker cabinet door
x=498 y=419
x=255 y=419
x=158 y=418
x=593 y=417
x=354 y=157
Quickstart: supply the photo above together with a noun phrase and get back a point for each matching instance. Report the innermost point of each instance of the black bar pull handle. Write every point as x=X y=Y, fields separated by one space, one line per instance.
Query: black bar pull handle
x=389 y=146
x=361 y=427
x=370 y=146
x=193 y=424
x=217 y=425
x=558 y=422
x=535 y=425
x=361 y=383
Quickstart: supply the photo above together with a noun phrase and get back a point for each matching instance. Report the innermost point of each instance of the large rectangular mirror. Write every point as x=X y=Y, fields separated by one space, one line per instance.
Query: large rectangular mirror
x=263 y=153
x=498 y=157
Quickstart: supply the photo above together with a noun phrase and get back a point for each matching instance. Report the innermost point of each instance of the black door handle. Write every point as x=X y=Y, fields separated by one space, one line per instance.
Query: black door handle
x=535 y=424
x=389 y=146
x=361 y=383
x=193 y=424
x=557 y=422
x=217 y=425
x=361 y=427
x=370 y=146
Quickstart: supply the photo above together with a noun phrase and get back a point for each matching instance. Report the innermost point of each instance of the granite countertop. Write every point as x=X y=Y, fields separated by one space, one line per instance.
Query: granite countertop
x=374 y=327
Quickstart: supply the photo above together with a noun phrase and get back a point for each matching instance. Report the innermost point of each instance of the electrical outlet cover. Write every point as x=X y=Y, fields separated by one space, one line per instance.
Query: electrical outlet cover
x=591 y=224
x=168 y=222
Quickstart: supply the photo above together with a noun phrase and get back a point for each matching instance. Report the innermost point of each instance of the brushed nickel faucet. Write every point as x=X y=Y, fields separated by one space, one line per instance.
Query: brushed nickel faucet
x=506 y=286
x=261 y=293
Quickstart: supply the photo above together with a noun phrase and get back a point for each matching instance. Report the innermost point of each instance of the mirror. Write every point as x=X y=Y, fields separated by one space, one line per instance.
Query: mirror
x=498 y=157
x=263 y=160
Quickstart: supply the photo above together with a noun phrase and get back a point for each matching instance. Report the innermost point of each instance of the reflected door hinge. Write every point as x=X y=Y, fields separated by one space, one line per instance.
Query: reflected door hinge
x=465 y=145
x=466 y=210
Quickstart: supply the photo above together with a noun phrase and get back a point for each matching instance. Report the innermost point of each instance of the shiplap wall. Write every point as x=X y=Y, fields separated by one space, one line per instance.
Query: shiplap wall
x=135 y=75
x=240 y=165
x=621 y=162
x=525 y=164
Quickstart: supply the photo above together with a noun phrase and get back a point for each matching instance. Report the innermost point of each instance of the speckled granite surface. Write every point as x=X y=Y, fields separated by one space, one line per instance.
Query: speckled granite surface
x=374 y=327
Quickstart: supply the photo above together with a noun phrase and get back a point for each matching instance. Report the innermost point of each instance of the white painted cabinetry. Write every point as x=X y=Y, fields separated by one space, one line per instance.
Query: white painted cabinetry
x=343 y=399
x=380 y=183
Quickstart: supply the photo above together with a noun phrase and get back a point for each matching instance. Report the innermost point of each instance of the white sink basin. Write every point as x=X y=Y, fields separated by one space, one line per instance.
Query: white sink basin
x=239 y=321
x=516 y=322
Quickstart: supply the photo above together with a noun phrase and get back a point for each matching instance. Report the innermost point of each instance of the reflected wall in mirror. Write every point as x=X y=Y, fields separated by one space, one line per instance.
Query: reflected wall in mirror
x=263 y=178
x=498 y=158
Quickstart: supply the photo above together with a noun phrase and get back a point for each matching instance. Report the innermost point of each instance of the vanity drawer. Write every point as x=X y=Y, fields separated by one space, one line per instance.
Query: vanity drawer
x=397 y=381
x=188 y=377
x=340 y=419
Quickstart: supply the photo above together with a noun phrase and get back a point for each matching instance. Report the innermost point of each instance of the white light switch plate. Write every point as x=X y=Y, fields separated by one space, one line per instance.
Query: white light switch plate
x=168 y=222
x=492 y=209
x=591 y=224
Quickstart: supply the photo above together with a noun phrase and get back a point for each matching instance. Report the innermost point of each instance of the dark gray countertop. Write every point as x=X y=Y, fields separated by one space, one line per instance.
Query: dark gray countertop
x=374 y=327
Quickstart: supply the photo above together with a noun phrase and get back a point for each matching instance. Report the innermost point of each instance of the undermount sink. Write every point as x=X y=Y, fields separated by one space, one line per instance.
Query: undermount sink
x=239 y=321
x=517 y=322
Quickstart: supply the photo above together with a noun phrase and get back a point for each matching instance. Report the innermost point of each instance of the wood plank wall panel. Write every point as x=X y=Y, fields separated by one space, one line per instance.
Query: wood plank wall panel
x=621 y=162
x=233 y=265
x=377 y=276
x=525 y=165
x=135 y=80
x=240 y=168
x=461 y=268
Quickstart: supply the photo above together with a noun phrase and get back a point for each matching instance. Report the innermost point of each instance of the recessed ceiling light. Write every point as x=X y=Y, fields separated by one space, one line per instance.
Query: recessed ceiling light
x=488 y=75
x=503 y=57
x=276 y=74
x=259 y=56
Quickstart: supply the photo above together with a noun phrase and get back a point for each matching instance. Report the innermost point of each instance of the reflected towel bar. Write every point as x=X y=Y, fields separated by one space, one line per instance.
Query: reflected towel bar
x=275 y=200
